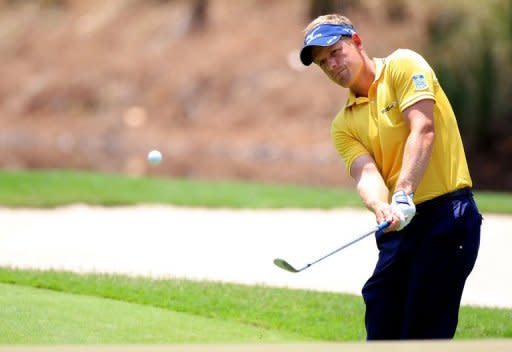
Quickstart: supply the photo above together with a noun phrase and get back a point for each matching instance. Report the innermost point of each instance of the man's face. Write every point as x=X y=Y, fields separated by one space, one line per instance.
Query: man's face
x=342 y=62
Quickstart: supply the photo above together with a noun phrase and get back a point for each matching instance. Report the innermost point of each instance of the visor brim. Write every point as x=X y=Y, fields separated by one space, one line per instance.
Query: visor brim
x=306 y=54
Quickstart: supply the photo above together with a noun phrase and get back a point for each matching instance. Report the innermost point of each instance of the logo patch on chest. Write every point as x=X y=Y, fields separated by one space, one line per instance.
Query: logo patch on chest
x=388 y=107
x=419 y=81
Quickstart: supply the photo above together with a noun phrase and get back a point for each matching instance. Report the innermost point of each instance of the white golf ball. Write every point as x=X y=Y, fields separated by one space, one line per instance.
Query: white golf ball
x=154 y=157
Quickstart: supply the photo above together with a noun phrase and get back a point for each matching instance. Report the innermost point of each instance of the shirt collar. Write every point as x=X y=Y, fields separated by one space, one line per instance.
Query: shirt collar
x=379 y=68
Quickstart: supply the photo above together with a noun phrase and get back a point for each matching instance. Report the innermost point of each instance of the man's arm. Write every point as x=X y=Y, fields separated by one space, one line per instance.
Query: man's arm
x=373 y=190
x=418 y=148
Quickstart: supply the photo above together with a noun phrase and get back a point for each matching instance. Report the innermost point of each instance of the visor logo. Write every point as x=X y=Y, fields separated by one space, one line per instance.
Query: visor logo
x=313 y=35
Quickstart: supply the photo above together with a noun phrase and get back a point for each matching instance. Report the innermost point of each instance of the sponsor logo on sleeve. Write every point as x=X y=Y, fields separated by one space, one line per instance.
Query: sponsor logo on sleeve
x=419 y=81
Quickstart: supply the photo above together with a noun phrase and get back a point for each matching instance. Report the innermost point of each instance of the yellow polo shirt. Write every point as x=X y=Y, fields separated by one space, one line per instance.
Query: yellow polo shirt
x=376 y=126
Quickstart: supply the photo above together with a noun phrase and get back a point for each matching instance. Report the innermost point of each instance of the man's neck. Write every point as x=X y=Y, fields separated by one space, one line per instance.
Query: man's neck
x=367 y=76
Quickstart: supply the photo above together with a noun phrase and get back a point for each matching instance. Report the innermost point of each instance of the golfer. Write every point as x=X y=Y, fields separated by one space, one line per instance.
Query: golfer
x=399 y=140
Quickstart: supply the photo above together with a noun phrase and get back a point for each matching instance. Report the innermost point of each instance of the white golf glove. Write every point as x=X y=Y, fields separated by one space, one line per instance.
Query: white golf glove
x=404 y=207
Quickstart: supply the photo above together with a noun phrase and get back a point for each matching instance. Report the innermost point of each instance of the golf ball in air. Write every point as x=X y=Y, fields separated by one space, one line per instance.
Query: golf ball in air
x=154 y=157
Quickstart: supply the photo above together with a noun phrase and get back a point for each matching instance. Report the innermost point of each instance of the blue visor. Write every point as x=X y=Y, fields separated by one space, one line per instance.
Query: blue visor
x=323 y=35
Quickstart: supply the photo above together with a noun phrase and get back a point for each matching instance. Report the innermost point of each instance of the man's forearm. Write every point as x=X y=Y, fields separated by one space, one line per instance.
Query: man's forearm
x=418 y=147
x=417 y=152
x=372 y=189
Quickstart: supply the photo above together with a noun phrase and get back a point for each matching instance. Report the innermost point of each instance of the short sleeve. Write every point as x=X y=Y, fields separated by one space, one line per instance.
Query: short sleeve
x=412 y=78
x=345 y=142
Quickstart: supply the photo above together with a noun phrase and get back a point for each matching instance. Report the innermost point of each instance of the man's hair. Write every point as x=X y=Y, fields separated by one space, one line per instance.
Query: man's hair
x=327 y=19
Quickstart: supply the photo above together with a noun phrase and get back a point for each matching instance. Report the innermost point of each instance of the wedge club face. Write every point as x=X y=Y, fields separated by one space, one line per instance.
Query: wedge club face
x=283 y=264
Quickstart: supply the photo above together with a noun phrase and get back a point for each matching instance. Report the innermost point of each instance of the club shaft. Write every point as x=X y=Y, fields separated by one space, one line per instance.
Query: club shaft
x=357 y=239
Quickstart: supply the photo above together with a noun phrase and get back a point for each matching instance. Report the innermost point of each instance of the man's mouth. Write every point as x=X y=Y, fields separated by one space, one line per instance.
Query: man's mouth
x=339 y=73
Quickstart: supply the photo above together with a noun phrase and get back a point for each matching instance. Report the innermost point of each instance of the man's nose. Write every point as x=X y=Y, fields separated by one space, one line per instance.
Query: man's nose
x=331 y=63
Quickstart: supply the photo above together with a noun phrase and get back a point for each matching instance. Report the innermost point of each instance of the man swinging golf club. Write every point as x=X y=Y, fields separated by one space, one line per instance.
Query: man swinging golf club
x=399 y=139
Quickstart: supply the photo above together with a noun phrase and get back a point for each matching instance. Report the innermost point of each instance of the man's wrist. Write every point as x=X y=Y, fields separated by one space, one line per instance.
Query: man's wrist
x=403 y=204
x=374 y=204
x=410 y=193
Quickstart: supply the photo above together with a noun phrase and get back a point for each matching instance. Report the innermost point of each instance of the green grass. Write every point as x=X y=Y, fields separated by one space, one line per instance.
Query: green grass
x=57 y=307
x=493 y=202
x=39 y=316
x=56 y=188
x=280 y=313
x=313 y=315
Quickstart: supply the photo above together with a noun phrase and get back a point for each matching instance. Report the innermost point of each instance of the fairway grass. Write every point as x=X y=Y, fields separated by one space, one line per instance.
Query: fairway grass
x=38 y=316
x=48 y=307
x=54 y=188
x=275 y=314
x=57 y=188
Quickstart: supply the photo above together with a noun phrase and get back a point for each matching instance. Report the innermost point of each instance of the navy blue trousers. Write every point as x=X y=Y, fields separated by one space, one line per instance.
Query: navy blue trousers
x=416 y=288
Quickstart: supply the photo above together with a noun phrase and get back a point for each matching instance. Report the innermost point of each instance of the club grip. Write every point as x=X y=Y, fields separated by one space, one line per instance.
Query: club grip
x=383 y=225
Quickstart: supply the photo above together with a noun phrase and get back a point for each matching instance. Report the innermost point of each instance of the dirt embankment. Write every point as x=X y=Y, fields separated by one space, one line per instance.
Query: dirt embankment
x=96 y=84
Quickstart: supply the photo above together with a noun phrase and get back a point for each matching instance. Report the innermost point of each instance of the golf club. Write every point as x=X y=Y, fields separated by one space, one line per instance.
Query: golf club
x=283 y=264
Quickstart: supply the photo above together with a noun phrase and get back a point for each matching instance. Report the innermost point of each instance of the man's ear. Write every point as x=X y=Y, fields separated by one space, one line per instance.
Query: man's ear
x=356 y=39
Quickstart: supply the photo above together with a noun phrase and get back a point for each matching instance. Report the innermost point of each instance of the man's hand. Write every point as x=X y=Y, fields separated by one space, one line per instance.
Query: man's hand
x=403 y=206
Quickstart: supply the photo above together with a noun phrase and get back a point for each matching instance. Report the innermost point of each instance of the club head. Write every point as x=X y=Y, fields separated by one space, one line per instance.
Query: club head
x=283 y=264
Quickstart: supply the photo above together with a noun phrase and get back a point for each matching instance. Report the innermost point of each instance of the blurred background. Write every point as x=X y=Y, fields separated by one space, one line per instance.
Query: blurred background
x=217 y=86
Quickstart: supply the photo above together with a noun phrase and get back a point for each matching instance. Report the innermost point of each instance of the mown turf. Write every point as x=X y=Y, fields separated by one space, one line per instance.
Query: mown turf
x=59 y=187
x=51 y=188
x=39 y=316
x=310 y=314
x=282 y=313
x=316 y=315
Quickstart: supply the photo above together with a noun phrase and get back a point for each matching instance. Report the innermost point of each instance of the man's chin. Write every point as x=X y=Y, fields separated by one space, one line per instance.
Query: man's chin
x=339 y=82
x=344 y=84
